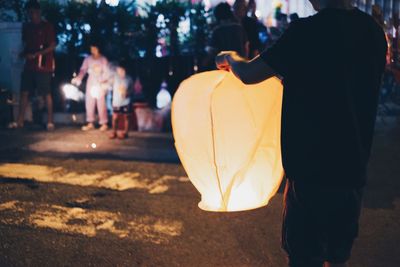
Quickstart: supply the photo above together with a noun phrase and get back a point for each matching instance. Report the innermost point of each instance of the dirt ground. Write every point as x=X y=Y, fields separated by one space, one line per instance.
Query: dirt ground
x=70 y=211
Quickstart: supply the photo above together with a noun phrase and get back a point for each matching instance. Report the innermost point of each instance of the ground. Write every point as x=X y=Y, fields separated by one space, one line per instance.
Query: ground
x=65 y=202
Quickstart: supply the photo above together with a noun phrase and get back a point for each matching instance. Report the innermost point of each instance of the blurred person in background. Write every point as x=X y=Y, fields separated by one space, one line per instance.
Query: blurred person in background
x=39 y=41
x=251 y=9
x=121 y=86
x=250 y=25
x=96 y=67
x=228 y=34
x=281 y=25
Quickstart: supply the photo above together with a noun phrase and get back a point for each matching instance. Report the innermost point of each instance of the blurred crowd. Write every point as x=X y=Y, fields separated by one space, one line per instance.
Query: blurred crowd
x=239 y=29
x=236 y=28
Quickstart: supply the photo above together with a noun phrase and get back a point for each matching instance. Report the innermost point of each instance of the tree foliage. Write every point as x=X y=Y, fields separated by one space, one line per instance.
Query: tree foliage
x=127 y=30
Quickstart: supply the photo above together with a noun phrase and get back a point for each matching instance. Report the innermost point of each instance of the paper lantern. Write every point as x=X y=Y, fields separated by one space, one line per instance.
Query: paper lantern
x=227 y=135
x=72 y=92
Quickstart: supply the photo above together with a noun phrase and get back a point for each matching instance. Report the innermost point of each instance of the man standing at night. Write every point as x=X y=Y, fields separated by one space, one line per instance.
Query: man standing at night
x=39 y=42
x=331 y=64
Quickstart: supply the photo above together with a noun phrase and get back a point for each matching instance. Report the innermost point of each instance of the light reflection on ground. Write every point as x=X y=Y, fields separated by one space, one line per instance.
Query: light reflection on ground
x=104 y=179
x=90 y=223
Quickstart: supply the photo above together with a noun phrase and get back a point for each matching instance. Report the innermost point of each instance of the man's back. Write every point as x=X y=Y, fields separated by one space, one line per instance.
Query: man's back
x=331 y=64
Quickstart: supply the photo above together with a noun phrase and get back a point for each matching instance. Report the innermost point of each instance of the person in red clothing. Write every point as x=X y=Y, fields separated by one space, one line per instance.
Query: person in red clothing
x=39 y=42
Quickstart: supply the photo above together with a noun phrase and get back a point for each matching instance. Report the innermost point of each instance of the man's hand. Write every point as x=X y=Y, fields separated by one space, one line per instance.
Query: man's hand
x=222 y=59
x=249 y=72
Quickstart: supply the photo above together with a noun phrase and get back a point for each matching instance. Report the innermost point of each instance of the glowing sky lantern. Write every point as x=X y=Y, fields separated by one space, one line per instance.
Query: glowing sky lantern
x=227 y=136
x=72 y=92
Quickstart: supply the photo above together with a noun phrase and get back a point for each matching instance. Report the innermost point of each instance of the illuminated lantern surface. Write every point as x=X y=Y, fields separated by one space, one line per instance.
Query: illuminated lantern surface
x=72 y=92
x=227 y=135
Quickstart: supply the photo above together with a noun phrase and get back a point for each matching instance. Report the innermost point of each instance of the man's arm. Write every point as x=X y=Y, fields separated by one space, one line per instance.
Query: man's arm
x=48 y=49
x=282 y=59
x=248 y=71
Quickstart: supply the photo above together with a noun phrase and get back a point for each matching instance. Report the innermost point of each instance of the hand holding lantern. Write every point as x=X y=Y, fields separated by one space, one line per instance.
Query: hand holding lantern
x=222 y=60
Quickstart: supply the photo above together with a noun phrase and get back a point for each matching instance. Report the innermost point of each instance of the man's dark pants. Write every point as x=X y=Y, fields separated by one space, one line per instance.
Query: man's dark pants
x=35 y=81
x=320 y=223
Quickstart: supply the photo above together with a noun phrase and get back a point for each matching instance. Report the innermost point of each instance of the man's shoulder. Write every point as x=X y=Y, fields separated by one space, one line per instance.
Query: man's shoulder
x=367 y=20
x=300 y=27
x=365 y=16
x=372 y=27
x=321 y=18
x=305 y=20
x=302 y=23
x=378 y=29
